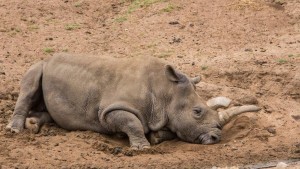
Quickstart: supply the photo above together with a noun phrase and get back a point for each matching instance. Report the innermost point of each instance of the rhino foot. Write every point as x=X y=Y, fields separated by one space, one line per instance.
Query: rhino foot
x=16 y=125
x=139 y=143
x=33 y=124
x=157 y=137
x=8 y=126
x=11 y=129
x=139 y=147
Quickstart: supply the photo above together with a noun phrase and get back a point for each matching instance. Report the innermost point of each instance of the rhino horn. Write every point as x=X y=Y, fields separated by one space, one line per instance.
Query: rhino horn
x=196 y=80
x=218 y=102
x=226 y=115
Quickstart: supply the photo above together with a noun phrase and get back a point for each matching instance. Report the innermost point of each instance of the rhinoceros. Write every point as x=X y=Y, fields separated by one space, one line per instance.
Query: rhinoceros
x=133 y=96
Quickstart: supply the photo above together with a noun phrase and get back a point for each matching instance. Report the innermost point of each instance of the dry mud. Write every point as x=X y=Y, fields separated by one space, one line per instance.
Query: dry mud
x=247 y=50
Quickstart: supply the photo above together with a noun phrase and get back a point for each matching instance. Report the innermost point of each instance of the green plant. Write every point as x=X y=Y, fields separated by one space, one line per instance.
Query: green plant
x=121 y=19
x=78 y=4
x=204 y=67
x=65 y=50
x=17 y=30
x=282 y=61
x=136 y=4
x=290 y=55
x=72 y=26
x=48 y=50
x=164 y=54
x=141 y=4
x=33 y=27
x=169 y=8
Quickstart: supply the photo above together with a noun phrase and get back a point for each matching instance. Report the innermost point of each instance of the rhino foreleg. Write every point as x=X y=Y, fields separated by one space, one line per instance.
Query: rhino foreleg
x=128 y=123
x=159 y=136
x=30 y=93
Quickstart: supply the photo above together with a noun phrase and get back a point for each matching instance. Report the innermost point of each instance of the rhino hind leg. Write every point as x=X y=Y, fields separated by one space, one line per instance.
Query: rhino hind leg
x=36 y=120
x=128 y=123
x=156 y=137
x=30 y=95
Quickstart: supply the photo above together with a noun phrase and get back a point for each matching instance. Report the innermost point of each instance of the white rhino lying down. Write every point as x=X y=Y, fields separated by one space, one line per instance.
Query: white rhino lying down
x=134 y=96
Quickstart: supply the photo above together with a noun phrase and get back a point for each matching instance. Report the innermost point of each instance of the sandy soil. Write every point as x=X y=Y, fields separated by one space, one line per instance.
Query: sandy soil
x=247 y=50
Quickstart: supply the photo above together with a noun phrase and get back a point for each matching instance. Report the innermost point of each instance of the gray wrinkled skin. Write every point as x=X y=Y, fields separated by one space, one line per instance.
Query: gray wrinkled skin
x=133 y=96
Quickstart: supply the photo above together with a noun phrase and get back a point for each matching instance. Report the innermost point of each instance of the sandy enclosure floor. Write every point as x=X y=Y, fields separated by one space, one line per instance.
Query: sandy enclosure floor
x=247 y=50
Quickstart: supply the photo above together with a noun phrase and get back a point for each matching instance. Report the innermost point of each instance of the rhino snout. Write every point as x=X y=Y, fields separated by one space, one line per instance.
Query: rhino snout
x=208 y=138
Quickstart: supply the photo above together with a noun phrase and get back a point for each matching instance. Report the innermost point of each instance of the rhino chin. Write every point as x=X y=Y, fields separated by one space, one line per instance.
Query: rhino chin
x=208 y=138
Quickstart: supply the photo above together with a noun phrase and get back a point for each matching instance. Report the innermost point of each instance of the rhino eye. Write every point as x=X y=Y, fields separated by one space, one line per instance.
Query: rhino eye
x=198 y=112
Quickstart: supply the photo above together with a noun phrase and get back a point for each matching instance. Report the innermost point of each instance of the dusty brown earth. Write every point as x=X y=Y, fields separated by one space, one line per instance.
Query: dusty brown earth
x=247 y=50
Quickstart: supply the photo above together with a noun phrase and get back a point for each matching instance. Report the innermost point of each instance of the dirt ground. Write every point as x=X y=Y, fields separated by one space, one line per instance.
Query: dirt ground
x=247 y=50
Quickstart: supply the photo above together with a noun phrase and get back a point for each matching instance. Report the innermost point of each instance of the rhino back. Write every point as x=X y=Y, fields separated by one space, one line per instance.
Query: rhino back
x=76 y=87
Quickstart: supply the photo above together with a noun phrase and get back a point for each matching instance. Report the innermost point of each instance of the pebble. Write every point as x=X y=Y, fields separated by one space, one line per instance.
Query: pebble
x=281 y=165
x=248 y=50
x=173 y=22
x=271 y=130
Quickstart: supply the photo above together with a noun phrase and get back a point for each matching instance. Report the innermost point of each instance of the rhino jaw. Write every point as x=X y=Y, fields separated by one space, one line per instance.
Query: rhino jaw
x=209 y=138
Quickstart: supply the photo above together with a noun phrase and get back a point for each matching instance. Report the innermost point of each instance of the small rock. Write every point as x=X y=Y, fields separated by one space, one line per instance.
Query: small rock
x=248 y=100
x=116 y=150
x=271 y=130
x=260 y=62
x=173 y=22
x=281 y=165
x=3 y=96
x=180 y=56
x=263 y=50
x=248 y=50
x=268 y=109
x=175 y=40
x=128 y=153
x=234 y=148
x=296 y=117
x=279 y=2
x=14 y=95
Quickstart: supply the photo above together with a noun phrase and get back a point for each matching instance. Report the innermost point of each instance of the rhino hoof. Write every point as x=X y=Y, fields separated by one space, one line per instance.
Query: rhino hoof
x=154 y=138
x=146 y=147
x=32 y=124
x=140 y=147
x=8 y=126
x=15 y=130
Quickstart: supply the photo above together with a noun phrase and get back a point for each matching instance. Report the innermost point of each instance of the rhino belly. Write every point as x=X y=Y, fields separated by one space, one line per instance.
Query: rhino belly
x=72 y=103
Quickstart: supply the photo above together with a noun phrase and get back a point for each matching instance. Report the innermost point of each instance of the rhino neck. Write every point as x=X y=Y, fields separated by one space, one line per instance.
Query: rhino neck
x=159 y=97
x=158 y=116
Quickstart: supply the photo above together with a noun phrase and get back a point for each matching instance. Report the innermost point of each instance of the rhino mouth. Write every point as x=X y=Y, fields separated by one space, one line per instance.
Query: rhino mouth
x=208 y=138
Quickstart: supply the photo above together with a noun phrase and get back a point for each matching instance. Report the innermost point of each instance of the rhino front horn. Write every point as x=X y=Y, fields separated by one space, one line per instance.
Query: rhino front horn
x=226 y=115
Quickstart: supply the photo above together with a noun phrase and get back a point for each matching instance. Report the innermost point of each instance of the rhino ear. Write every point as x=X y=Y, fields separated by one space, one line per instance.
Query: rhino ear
x=174 y=75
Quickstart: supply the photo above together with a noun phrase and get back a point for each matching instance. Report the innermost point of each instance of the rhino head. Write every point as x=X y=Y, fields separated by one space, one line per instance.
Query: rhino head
x=190 y=117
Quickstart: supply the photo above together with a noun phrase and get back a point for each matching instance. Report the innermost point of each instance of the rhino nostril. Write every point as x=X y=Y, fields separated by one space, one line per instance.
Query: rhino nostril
x=214 y=138
x=209 y=138
x=219 y=126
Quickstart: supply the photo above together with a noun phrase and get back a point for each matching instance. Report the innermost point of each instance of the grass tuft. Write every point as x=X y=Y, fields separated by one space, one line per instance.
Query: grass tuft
x=48 y=50
x=72 y=26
